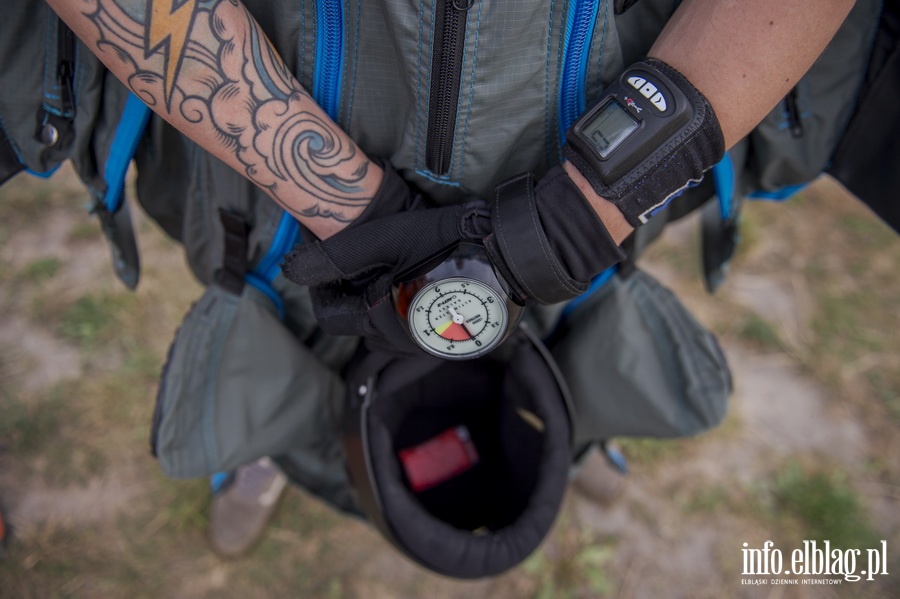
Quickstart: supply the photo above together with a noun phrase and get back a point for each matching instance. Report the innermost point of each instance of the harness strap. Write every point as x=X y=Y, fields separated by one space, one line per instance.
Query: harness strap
x=109 y=205
x=234 y=262
x=131 y=127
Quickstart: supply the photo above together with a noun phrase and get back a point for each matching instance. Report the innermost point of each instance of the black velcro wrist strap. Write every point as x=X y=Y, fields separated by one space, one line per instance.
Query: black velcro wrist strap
x=577 y=234
x=526 y=252
x=668 y=169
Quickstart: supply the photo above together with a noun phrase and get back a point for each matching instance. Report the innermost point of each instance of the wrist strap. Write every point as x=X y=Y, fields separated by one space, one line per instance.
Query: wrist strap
x=532 y=265
x=547 y=241
x=663 y=171
x=577 y=233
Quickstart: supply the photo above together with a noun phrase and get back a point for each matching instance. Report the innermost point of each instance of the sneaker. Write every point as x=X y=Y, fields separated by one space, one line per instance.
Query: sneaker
x=242 y=505
x=601 y=475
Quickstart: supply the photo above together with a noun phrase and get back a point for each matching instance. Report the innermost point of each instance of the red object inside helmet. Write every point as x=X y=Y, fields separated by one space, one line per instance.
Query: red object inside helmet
x=439 y=459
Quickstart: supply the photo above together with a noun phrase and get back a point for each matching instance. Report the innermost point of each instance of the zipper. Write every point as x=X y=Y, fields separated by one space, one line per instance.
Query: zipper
x=58 y=107
x=327 y=94
x=579 y=32
x=446 y=67
x=329 y=55
x=580 y=23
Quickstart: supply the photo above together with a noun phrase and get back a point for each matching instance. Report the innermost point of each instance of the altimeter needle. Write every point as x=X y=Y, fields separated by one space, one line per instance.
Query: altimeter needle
x=461 y=321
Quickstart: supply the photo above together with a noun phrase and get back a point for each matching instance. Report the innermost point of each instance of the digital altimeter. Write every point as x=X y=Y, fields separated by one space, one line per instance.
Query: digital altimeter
x=634 y=120
x=651 y=136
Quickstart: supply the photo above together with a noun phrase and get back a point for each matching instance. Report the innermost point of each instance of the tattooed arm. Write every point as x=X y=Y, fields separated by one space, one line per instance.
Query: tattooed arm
x=207 y=68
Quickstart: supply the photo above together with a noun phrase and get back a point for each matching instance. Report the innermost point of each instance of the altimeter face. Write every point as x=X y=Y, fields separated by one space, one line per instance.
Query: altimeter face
x=458 y=317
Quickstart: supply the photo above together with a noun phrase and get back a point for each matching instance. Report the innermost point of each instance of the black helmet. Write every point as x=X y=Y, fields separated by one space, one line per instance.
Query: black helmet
x=461 y=465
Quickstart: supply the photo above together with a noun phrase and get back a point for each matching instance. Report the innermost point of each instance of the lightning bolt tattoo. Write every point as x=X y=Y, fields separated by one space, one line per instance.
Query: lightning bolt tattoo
x=167 y=31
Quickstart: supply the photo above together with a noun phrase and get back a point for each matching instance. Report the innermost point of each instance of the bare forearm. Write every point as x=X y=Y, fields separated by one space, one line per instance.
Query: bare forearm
x=210 y=71
x=746 y=56
x=743 y=56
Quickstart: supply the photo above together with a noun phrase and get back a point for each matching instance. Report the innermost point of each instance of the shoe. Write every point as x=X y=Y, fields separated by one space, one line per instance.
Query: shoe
x=601 y=475
x=242 y=504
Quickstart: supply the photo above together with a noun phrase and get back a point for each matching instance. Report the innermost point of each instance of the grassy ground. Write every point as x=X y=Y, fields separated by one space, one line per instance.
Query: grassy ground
x=808 y=451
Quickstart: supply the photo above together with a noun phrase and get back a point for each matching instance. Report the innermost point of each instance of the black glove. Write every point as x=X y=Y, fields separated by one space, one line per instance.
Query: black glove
x=546 y=242
x=357 y=302
x=351 y=274
x=393 y=196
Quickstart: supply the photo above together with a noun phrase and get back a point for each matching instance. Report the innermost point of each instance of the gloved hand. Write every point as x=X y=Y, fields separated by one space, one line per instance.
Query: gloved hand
x=546 y=242
x=393 y=196
x=546 y=239
x=350 y=275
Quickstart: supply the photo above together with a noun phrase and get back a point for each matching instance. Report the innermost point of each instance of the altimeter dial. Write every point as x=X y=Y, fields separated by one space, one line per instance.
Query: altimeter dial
x=458 y=317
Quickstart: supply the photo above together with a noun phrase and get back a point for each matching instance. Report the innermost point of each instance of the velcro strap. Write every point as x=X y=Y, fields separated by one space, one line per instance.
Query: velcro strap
x=524 y=246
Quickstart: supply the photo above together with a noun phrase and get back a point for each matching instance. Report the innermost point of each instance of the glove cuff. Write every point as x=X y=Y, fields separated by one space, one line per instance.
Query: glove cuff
x=578 y=235
x=528 y=263
x=393 y=196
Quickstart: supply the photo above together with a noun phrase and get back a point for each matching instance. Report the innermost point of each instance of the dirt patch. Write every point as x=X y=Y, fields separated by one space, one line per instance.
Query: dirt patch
x=662 y=546
x=785 y=412
x=784 y=303
x=99 y=500
x=49 y=361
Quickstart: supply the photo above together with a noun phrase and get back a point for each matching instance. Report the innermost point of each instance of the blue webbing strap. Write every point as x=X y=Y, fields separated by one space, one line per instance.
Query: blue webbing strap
x=128 y=133
x=262 y=276
x=723 y=177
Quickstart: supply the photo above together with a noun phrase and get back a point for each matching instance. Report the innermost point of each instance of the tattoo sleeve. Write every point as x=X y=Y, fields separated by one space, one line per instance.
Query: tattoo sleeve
x=207 y=68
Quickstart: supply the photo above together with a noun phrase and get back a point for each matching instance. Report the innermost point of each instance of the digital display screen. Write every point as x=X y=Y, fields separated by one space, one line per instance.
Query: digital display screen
x=609 y=128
